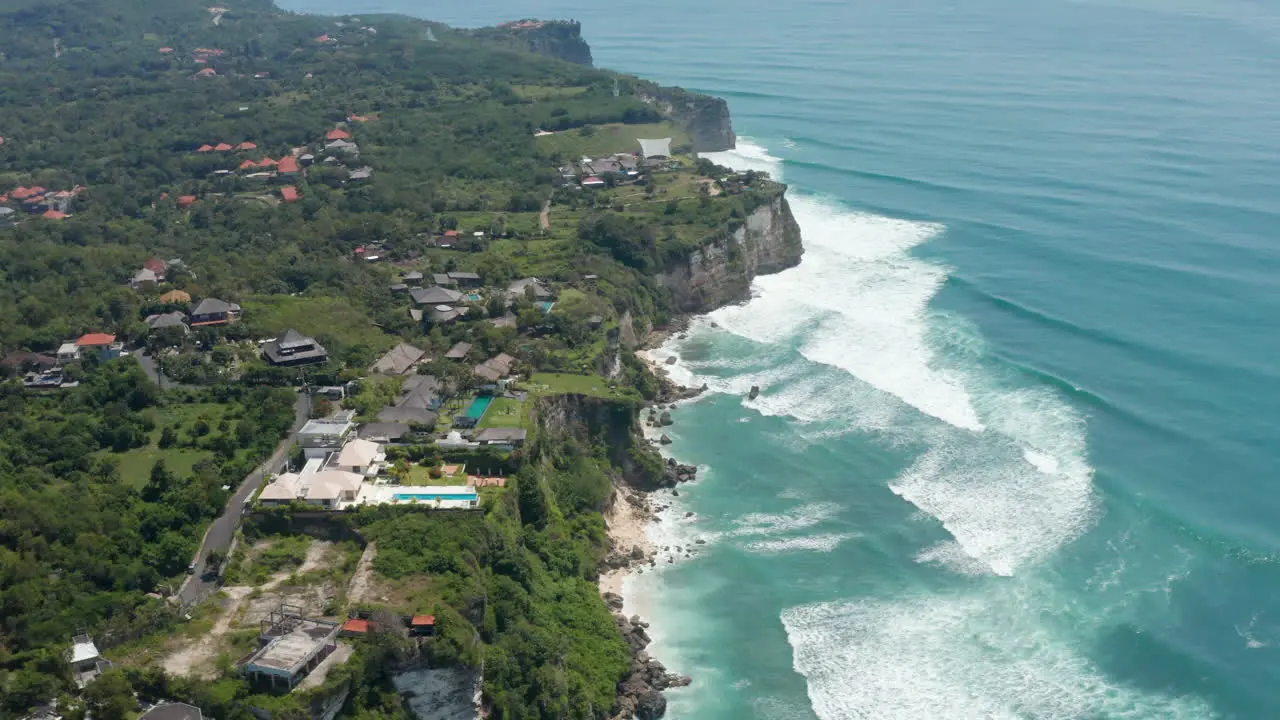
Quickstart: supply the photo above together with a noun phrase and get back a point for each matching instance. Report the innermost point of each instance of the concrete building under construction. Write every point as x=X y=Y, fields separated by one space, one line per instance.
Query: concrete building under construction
x=289 y=647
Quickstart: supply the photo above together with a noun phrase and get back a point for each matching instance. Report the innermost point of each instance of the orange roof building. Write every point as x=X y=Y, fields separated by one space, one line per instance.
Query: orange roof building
x=246 y=145
x=175 y=297
x=206 y=72
x=338 y=134
x=204 y=149
x=289 y=193
x=186 y=200
x=355 y=626
x=166 y=50
x=287 y=166
x=95 y=340
x=55 y=215
x=223 y=147
x=248 y=165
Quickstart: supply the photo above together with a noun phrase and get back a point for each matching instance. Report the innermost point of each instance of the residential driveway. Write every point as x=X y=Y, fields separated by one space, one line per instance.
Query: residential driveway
x=148 y=364
x=224 y=528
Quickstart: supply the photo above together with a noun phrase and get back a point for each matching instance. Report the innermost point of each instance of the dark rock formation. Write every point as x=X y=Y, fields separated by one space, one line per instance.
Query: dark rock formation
x=755 y=392
x=640 y=692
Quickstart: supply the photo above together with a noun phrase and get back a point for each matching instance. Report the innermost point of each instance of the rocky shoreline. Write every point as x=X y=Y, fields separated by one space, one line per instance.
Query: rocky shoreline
x=634 y=510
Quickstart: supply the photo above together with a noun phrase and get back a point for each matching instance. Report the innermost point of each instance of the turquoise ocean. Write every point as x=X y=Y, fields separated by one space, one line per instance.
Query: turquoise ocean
x=1015 y=454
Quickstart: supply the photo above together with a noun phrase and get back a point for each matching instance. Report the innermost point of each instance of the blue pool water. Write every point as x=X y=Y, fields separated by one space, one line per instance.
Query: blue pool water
x=546 y=305
x=479 y=406
x=428 y=496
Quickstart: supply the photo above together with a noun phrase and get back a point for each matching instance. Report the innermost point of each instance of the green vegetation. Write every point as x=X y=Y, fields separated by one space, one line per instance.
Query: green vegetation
x=79 y=546
x=593 y=385
x=610 y=138
x=504 y=412
x=106 y=488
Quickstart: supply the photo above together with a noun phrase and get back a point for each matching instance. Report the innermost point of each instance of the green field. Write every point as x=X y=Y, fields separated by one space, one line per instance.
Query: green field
x=326 y=317
x=135 y=465
x=609 y=139
x=504 y=412
x=421 y=475
x=565 y=384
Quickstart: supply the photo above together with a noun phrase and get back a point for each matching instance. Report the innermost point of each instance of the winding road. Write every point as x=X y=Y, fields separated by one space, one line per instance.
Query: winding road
x=219 y=535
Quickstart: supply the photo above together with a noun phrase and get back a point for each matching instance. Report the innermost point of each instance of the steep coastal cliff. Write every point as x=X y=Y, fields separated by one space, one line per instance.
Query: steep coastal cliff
x=721 y=271
x=561 y=39
x=705 y=118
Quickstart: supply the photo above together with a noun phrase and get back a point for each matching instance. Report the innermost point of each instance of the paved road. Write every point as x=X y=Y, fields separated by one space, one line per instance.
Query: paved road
x=148 y=364
x=224 y=528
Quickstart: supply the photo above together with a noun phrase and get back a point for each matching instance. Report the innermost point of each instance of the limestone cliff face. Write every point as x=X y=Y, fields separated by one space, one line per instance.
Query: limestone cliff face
x=558 y=39
x=614 y=424
x=705 y=118
x=721 y=271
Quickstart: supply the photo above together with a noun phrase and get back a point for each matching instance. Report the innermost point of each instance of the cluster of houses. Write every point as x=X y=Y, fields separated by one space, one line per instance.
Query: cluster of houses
x=49 y=372
x=36 y=200
x=594 y=173
x=450 y=295
x=342 y=470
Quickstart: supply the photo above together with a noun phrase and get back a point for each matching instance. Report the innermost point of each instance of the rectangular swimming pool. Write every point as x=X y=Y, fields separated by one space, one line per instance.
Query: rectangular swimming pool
x=479 y=406
x=430 y=496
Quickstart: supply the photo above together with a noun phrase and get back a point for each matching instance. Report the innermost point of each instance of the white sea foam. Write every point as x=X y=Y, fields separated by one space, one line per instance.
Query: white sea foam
x=1006 y=471
x=805 y=543
x=956 y=658
x=949 y=554
x=802 y=517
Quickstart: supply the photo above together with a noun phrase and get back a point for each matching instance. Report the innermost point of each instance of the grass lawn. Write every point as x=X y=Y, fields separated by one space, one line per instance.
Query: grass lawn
x=324 y=317
x=135 y=465
x=565 y=384
x=420 y=475
x=504 y=412
x=609 y=139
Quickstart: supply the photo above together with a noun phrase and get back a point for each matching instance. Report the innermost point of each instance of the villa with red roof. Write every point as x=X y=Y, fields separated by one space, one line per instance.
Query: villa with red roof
x=206 y=72
x=186 y=200
x=289 y=193
x=248 y=165
x=204 y=149
x=338 y=134
x=223 y=147
x=54 y=215
x=246 y=145
x=102 y=343
x=287 y=166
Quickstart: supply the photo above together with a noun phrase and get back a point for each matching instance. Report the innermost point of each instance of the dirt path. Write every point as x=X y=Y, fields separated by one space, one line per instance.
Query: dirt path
x=545 y=217
x=363 y=576
x=200 y=657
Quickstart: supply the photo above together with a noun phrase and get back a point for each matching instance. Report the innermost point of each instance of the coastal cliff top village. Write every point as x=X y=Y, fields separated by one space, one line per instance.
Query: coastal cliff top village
x=322 y=366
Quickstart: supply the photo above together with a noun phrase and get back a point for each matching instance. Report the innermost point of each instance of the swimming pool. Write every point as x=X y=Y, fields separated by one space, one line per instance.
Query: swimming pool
x=473 y=297
x=546 y=305
x=479 y=406
x=471 y=496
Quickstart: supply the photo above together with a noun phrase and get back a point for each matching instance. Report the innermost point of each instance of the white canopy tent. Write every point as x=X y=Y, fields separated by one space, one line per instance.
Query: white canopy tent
x=660 y=148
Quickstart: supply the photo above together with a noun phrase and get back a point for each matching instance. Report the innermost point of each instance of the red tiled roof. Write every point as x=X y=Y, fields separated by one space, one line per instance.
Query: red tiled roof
x=287 y=165
x=248 y=165
x=289 y=193
x=205 y=148
x=156 y=265
x=267 y=162
x=55 y=215
x=246 y=145
x=92 y=339
x=338 y=134
x=207 y=72
x=359 y=251
x=423 y=620
x=451 y=233
x=356 y=625
x=166 y=50
x=222 y=147
x=4 y=199
x=186 y=200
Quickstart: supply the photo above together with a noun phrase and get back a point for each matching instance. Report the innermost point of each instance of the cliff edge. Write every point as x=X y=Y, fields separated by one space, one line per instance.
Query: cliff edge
x=720 y=272
x=560 y=39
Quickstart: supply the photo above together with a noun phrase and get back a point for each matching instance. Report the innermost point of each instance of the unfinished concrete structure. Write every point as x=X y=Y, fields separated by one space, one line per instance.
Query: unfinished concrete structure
x=290 y=647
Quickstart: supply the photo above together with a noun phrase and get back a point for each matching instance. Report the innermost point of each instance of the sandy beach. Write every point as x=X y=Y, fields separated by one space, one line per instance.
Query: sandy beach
x=628 y=522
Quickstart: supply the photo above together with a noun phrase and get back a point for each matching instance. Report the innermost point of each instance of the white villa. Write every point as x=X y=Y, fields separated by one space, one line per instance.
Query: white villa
x=350 y=477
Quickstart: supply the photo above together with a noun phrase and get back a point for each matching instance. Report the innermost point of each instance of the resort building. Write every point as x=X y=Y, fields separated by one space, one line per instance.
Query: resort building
x=86 y=662
x=322 y=436
x=362 y=457
x=293 y=348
